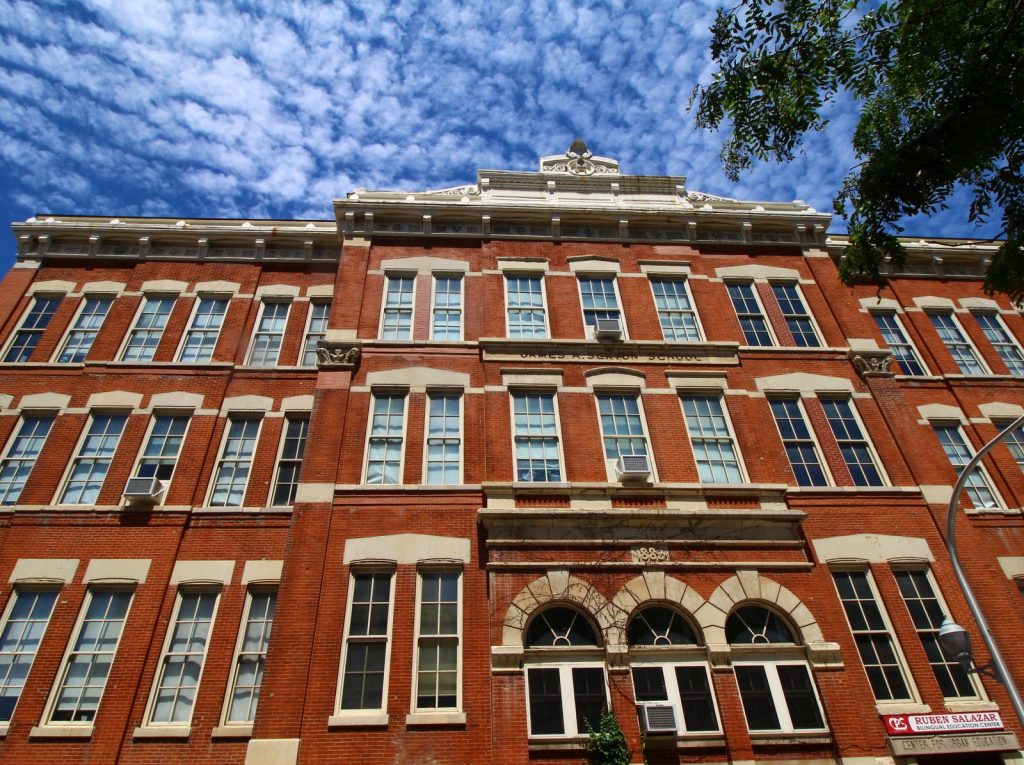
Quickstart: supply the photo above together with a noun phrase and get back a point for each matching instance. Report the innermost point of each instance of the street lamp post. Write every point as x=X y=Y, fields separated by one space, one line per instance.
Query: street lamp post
x=953 y=638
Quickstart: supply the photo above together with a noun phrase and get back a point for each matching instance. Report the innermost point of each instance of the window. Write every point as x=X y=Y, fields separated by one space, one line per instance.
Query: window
x=750 y=315
x=621 y=425
x=250 y=656
x=90 y=465
x=21 y=456
x=160 y=454
x=563 y=698
x=796 y=438
x=397 y=320
x=316 y=330
x=444 y=439
x=446 y=320
x=28 y=614
x=177 y=681
x=148 y=329
x=535 y=438
x=978 y=488
x=798 y=319
x=204 y=329
x=711 y=440
x=525 y=306
x=895 y=337
x=1007 y=348
x=266 y=340
x=873 y=636
x=87 y=664
x=387 y=426
x=364 y=679
x=437 y=644
x=599 y=299
x=35 y=321
x=289 y=464
x=960 y=348
x=1014 y=441
x=232 y=472
x=777 y=694
x=852 y=443
x=683 y=684
x=928 y=614
x=675 y=310
x=79 y=340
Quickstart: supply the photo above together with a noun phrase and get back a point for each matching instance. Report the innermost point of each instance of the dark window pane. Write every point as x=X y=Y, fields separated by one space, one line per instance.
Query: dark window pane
x=364 y=676
x=799 y=693
x=695 y=693
x=545 y=702
x=758 y=706
x=591 y=700
x=649 y=684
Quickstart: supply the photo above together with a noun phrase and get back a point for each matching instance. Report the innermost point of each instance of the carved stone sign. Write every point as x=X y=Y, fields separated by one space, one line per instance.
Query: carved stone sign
x=645 y=556
x=633 y=353
x=915 y=746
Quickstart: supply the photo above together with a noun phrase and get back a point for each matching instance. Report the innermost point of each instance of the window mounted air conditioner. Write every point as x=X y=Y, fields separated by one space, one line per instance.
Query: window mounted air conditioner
x=633 y=466
x=608 y=329
x=658 y=718
x=143 y=491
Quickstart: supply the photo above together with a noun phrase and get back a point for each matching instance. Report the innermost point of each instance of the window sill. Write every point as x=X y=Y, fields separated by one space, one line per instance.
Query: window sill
x=61 y=731
x=567 y=743
x=902 y=708
x=684 y=741
x=232 y=731
x=778 y=737
x=972 y=705
x=4 y=727
x=357 y=720
x=436 y=718
x=171 y=731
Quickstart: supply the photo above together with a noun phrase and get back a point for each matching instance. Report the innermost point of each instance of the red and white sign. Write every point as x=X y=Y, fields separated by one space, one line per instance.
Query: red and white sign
x=909 y=725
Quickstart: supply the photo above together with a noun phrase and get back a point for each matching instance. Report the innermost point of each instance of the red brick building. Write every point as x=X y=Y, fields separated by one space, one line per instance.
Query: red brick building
x=489 y=460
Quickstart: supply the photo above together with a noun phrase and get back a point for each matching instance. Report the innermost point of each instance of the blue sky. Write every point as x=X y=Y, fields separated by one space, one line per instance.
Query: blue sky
x=273 y=109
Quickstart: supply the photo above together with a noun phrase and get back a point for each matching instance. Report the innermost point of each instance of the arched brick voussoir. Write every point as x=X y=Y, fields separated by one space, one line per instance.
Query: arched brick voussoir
x=749 y=586
x=559 y=587
x=652 y=588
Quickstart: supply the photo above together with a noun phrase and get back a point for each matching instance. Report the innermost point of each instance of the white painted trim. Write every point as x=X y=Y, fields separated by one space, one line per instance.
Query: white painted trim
x=114 y=399
x=931 y=302
x=28 y=570
x=418 y=379
x=979 y=303
x=314 y=493
x=460 y=277
x=108 y=288
x=589 y=264
x=388 y=277
x=424 y=265
x=264 y=302
x=536 y=378
x=928 y=412
x=272 y=751
x=206 y=571
x=51 y=287
x=757 y=273
x=543 y=300
x=226 y=727
x=371 y=716
x=190 y=325
x=711 y=381
x=405 y=549
x=246 y=404
x=217 y=288
x=1013 y=567
x=545 y=391
x=272 y=291
x=426 y=715
x=615 y=377
x=56 y=401
x=998 y=410
x=369 y=435
x=117 y=570
x=871 y=548
x=177 y=399
x=426 y=434
x=880 y=304
x=664 y=268
x=256 y=571
x=169 y=286
x=803 y=383
x=297 y=403
x=320 y=291
x=228 y=420
x=529 y=265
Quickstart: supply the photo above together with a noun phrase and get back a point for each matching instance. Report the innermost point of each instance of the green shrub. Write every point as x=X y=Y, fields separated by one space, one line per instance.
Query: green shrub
x=607 y=744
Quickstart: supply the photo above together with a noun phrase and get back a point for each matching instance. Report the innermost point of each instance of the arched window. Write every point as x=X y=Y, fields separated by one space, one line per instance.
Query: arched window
x=776 y=689
x=560 y=626
x=670 y=674
x=565 y=682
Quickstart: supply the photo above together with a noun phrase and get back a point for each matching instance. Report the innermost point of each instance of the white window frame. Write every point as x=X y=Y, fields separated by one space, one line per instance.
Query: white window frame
x=815 y=329
x=141 y=456
x=1014 y=441
x=543 y=305
x=9 y=345
x=190 y=327
x=718 y=395
x=588 y=329
x=897 y=649
x=437 y=394
x=228 y=420
x=815 y=443
x=771 y=663
x=69 y=651
x=1004 y=348
x=965 y=341
x=652 y=278
x=161 y=667
x=308 y=333
x=408 y=333
x=236 y=657
x=15 y=435
x=375 y=395
x=376 y=715
x=135 y=328
x=419 y=638
x=980 y=468
x=74 y=328
x=289 y=418
x=763 y=313
x=257 y=333
x=868 y=443
x=19 y=591
x=906 y=342
x=82 y=437
x=610 y=462
x=565 y=667
x=434 y=308
x=558 y=433
x=667 y=659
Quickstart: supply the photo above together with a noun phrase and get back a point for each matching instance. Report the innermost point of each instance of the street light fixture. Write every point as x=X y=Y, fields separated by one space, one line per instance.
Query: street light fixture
x=954 y=640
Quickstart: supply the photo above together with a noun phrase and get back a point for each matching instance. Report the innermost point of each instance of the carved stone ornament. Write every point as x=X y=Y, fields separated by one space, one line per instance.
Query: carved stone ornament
x=579 y=160
x=700 y=196
x=646 y=556
x=347 y=357
x=875 y=364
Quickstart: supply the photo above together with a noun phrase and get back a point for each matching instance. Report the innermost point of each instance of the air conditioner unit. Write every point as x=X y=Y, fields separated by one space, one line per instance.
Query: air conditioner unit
x=633 y=466
x=143 y=491
x=658 y=718
x=608 y=329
